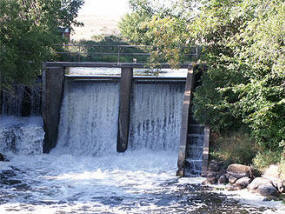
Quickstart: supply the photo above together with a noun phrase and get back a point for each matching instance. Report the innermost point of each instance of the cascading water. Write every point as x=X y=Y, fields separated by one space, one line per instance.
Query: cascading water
x=156 y=116
x=89 y=118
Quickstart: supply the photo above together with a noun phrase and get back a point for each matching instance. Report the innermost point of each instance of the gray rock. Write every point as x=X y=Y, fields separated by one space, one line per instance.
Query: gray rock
x=242 y=182
x=214 y=166
x=268 y=191
x=223 y=179
x=232 y=179
x=264 y=187
x=281 y=186
x=239 y=171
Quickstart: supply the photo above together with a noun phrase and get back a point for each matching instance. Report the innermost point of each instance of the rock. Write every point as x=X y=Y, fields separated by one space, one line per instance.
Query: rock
x=242 y=182
x=239 y=171
x=281 y=186
x=273 y=173
x=268 y=191
x=223 y=179
x=212 y=174
x=232 y=179
x=2 y=157
x=214 y=166
x=264 y=187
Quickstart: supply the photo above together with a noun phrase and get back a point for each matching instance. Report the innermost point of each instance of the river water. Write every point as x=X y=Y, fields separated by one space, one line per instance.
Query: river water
x=133 y=182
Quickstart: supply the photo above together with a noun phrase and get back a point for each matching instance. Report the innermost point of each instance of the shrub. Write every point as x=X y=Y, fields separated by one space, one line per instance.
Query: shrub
x=234 y=147
x=265 y=158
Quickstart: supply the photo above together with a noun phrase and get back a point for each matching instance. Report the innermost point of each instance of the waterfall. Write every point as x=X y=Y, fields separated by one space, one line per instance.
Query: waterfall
x=89 y=118
x=156 y=110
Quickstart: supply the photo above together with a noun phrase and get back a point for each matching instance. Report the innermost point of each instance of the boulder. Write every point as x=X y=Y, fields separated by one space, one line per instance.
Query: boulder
x=273 y=173
x=242 y=182
x=268 y=191
x=223 y=179
x=239 y=171
x=214 y=166
x=264 y=187
x=281 y=186
x=232 y=179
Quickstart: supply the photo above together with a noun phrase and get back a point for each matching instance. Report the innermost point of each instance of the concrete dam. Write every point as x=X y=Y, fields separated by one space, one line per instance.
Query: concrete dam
x=105 y=114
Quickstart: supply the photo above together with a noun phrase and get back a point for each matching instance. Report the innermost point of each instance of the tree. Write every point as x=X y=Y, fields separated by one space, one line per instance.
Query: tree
x=29 y=31
x=243 y=47
x=161 y=26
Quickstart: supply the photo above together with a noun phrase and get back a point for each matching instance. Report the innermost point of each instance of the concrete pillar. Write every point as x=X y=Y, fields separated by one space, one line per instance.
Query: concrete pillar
x=205 y=151
x=52 y=94
x=124 y=111
x=185 y=121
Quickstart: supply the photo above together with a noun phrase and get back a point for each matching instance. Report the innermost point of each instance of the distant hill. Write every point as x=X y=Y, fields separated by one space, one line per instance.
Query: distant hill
x=95 y=25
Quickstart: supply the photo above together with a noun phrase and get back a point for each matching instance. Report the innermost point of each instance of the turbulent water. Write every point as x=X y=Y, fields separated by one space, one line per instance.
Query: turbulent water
x=133 y=182
x=21 y=135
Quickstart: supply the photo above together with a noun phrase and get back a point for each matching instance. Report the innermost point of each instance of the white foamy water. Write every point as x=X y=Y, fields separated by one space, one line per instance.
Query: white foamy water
x=89 y=118
x=21 y=135
x=132 y=182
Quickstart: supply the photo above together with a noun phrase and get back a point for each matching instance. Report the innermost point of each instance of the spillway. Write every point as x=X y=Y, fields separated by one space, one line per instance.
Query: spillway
x=89 y=118
x=156 y=116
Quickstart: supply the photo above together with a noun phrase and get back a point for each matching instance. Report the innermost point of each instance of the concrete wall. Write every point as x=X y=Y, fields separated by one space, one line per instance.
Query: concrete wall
x=53 y=86
x=185 y=122
x=124 y=111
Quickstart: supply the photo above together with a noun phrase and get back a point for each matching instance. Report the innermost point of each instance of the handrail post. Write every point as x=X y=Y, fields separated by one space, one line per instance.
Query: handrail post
x=118 y=60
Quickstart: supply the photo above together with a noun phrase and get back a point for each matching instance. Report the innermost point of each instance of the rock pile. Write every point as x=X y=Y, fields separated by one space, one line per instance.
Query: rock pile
x=239 y=176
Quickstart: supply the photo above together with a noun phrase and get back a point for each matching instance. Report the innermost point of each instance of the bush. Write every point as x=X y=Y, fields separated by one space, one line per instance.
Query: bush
x=265 y=158
x=235 y=147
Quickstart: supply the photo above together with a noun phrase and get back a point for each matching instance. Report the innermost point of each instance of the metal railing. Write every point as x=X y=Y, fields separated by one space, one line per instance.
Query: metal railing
x=81 y=52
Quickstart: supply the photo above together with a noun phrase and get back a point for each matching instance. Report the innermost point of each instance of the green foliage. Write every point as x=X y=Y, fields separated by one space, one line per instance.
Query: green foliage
x=236 y=147
x=164 y=28
x=265 y=158
x=243 y=47
x=28 y=32
x=244 y=83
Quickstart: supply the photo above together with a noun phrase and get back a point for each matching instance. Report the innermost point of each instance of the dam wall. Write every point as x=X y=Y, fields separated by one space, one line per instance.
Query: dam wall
x=94 y=115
